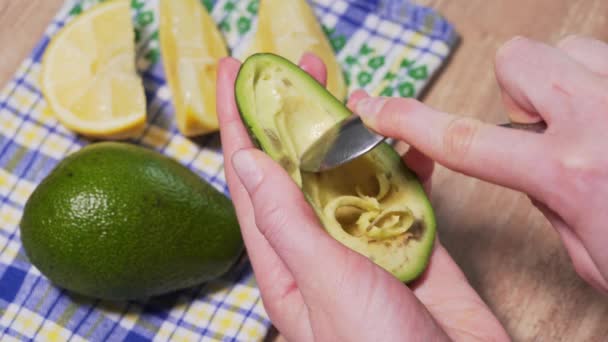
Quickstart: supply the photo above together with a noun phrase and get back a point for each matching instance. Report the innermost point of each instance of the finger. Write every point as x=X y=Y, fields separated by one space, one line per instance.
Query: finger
x=280 y=296
x=542 y=79
x=458 y=309
x=284 y=217
x=495 y=154
x=232 y=132
x=517 y=113
x=315 y=67
x=421 y=165
x=417 y=162
x=235 y=137
x=591 y=53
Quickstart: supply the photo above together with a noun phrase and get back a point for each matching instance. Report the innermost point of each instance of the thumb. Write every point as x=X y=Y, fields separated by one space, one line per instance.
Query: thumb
x=495 y=154
x=288 y=222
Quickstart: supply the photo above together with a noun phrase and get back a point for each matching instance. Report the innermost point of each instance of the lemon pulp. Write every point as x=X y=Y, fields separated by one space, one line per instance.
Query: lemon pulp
x=89 y=77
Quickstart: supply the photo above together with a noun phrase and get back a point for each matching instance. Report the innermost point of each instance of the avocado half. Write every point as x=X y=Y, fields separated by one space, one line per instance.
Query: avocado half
x=374 y=204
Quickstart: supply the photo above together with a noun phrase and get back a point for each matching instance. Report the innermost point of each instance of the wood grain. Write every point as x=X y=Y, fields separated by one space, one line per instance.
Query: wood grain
x=507 y=249
x=22 y=24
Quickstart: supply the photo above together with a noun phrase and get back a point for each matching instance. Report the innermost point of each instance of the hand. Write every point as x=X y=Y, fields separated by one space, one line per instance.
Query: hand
x=313 y=287
x=564 y=170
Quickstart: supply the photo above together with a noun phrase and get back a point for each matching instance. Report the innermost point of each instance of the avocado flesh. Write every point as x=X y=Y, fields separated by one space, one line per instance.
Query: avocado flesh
x=374 y=204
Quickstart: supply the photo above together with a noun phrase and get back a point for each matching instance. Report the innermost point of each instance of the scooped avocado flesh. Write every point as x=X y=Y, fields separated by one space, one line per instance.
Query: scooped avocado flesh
x=373 y=204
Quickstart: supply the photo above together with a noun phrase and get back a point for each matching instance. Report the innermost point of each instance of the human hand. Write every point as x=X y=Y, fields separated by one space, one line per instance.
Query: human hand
x=313 y=287
x=564 y=170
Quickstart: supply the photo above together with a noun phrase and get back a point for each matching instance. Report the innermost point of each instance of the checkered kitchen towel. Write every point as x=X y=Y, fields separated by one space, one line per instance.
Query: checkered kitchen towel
x=388 y=47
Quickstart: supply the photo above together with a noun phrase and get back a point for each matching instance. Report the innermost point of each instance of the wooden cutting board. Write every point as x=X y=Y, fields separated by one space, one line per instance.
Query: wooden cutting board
x=507 y=249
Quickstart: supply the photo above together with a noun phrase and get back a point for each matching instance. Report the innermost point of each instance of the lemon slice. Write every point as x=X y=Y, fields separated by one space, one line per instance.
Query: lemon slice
x=290 y=28
x=191 y=46
x=89 y=77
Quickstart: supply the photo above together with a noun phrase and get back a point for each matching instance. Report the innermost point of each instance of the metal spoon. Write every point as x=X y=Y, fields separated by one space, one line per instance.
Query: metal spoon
x=350 y=138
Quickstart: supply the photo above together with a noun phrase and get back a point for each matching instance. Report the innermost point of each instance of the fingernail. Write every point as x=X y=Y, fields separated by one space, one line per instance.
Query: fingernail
x=368 y=108
x=246 y=168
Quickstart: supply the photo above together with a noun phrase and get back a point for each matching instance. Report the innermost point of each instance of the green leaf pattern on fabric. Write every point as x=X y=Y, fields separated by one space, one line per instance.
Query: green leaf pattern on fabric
x=337 y=40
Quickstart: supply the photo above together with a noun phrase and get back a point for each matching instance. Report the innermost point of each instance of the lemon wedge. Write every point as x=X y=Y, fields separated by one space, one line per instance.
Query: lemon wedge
x=289 y=28
x=89 y=77
x=191 y=46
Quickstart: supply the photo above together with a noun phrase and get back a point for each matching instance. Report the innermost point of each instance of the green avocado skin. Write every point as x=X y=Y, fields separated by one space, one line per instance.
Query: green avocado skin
x=116 y=221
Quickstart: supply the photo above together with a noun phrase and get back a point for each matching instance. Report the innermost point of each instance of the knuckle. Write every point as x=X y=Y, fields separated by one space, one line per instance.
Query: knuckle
x=269 y=215
x=271 y=220
x=575 y=167
x=577 y=174
x=459 y=136
x=353 y=265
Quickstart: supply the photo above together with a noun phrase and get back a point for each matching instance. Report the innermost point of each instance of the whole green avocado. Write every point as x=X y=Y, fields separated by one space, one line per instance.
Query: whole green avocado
x=117 y=221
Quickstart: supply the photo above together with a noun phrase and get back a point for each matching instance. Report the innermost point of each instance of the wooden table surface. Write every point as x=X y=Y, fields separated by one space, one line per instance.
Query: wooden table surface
x=507 y=249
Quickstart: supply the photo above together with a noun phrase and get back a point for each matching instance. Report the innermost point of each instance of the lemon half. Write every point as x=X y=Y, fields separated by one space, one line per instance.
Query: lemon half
x=89 y=77
x=191 y=46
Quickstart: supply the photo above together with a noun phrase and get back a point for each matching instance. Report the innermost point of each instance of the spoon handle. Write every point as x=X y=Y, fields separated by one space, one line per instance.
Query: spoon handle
x=536 y=127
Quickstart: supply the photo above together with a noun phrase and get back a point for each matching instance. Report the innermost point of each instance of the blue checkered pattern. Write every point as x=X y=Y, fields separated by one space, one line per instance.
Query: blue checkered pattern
x=386 y=47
